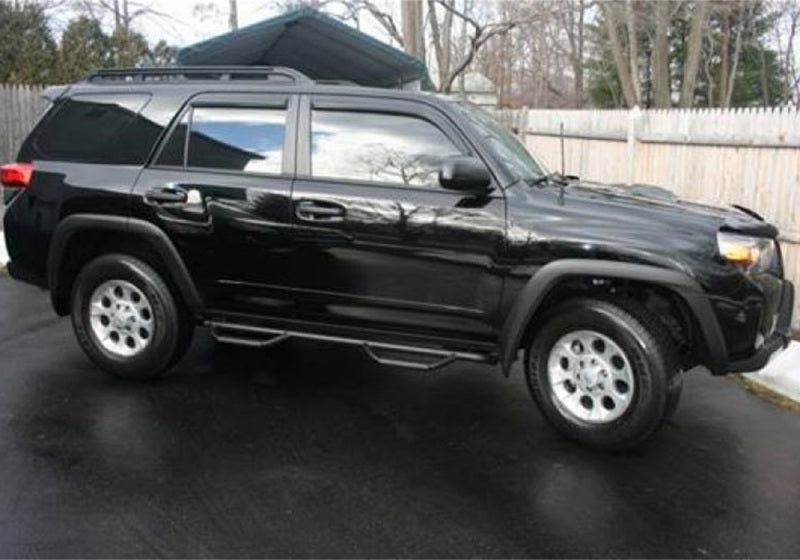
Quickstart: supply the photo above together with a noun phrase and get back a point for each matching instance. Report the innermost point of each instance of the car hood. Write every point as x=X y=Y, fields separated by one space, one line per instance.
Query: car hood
x=665 y=203
x=635 y=223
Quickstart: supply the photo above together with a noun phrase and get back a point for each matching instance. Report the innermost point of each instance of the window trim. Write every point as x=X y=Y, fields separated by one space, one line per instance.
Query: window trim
x=390 y=106
x=287 y=103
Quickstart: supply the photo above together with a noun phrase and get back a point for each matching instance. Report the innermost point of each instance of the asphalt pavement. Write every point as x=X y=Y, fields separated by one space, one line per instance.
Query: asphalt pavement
x=312 y=450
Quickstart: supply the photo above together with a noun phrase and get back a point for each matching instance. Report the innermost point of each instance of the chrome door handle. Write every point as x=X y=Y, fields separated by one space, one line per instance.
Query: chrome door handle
x=161 y=195
x=318 y=211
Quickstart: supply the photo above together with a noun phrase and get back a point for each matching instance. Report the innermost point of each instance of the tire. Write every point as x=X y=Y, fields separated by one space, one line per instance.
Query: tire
x=126 y=319
x=629 y=382
x=674 y=395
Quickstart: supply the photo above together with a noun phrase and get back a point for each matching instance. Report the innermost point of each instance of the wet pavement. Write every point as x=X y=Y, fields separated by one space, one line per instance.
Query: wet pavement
x=311 y=450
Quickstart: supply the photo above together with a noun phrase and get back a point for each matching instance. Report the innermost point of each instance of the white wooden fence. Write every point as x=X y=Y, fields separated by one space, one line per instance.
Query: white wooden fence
x=20 y=108
x=749 y=157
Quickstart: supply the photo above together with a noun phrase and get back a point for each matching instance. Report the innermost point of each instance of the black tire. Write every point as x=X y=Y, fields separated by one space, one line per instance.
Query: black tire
x=653 y=363
x=171 y=330
x=674 y=395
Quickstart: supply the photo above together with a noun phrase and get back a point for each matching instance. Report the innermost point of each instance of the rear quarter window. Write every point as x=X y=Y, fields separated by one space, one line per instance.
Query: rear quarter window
x=102 y=128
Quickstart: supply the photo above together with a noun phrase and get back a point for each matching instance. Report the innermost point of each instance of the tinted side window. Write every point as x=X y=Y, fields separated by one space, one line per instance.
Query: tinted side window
x=95 y=129
x=173 y=152
x=377 y=147
x=242 y=139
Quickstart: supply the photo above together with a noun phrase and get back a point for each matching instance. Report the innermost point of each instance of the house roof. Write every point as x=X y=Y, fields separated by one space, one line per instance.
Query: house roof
x=318 y=45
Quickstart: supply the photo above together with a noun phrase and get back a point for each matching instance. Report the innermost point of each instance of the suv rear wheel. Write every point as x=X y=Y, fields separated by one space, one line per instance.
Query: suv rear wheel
x=605 y=374
x=126 y=319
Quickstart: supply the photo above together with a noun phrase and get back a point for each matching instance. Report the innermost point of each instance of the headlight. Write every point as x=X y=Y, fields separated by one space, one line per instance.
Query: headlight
x=753 y=254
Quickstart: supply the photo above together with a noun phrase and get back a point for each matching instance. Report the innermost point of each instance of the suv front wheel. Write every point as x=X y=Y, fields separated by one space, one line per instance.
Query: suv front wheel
x=126 y=319
x=603 y=373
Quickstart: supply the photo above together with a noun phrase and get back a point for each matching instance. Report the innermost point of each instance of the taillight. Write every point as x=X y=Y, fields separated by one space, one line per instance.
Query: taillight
x=16 y=175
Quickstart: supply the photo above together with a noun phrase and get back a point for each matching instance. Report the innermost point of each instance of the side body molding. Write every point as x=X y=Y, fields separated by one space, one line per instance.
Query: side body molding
x=531 y=296
x=153 y=236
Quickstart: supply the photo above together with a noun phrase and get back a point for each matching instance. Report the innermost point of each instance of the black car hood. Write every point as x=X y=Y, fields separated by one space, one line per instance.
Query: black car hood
x=636 y=224
x=663 y=202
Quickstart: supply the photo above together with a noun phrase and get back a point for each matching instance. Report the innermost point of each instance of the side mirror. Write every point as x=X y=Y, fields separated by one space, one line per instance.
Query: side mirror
x=466 y=174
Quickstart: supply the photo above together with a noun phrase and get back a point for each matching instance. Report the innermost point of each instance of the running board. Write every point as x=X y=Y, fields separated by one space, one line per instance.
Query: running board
x=263 y=337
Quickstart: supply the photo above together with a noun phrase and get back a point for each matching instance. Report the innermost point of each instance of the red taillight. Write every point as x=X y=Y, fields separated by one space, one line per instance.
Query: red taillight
x=16 y=175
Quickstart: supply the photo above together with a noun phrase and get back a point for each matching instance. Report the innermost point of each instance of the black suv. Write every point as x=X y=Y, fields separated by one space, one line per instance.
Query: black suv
x=268 y=207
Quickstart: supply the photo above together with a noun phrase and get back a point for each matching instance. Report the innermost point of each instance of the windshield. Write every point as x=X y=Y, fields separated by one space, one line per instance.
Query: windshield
x=503 y=143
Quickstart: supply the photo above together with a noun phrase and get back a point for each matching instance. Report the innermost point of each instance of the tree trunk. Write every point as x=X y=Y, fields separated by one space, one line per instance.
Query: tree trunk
x=117 y=20
x=447 y=38
x=578 y=58
x=413 y=39
x=617 y=49
x=737 y=50
x=661 y=78
x=693 y=55
x=438 y=47
x=633 y=46
x=233 y=16
x=724 y=59
x=763 y=76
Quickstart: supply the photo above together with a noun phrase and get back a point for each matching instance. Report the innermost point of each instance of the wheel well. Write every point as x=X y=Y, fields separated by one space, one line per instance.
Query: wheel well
x=670 y=308
x=86 y=244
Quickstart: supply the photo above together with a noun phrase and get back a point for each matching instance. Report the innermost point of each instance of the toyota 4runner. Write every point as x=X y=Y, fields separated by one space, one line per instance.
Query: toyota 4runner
x=267 y=207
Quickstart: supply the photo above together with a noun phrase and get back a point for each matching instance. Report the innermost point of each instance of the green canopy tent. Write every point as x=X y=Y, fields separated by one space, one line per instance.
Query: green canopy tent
x=318 y=45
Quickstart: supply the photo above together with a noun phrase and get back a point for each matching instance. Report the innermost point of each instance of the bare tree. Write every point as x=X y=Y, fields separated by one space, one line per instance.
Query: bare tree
x=442 y=38
x=381 y=15
x=692 y=63
x=633 y=46
x=785 y=36
x=123 y=12
x=413 y=28
x=233 y=15
x=660 y=66
x=737 y=49
x=612 y=19
x=478 y=33
x=723 y=9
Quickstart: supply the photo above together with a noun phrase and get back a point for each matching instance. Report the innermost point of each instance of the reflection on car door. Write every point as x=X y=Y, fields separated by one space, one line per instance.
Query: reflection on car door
x=220 y=187
x=379 y=242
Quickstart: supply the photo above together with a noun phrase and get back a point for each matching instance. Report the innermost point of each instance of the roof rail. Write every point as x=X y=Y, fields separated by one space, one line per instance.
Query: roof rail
x=198 y=73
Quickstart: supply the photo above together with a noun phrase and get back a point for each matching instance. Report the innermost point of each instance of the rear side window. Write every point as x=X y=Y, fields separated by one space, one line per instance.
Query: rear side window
x=232 y=138
x=103 y=128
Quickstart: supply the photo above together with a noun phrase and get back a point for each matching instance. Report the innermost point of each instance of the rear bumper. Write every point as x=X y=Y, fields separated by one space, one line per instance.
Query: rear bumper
x=778 y=340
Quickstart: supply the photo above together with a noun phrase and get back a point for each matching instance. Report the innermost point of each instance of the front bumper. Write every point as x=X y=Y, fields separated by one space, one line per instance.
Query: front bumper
x=778 y=340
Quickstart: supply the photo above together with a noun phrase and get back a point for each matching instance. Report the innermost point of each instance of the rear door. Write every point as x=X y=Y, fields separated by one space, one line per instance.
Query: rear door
x=220 y=187
x=379 y=242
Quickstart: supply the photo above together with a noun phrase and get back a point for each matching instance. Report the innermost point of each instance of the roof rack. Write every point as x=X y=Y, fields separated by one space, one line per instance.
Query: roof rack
x=198 y=73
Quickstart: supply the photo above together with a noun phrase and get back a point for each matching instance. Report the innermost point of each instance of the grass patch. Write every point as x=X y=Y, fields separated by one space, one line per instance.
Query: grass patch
x=767 y=394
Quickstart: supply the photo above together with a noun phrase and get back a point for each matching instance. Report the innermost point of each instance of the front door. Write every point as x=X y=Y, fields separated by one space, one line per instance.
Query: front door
x=379 y=242
x=220 y=187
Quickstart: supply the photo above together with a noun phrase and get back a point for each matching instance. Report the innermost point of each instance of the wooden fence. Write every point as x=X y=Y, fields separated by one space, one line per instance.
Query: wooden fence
x=749 y=157
x=20 y=108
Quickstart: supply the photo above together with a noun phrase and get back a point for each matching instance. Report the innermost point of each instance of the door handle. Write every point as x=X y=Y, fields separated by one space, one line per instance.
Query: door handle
x=160 y=195
x=318 y=211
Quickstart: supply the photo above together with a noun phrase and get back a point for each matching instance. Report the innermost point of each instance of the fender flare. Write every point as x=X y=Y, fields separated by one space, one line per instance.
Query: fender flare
x=150 y=233
x=548 y=276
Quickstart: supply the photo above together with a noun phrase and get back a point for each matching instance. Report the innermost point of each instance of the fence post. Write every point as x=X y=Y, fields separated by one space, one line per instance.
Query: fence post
x=633 y=119
x=522 y=124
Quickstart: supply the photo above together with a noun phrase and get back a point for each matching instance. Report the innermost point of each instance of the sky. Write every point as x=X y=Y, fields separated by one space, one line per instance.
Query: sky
x=183 y=24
